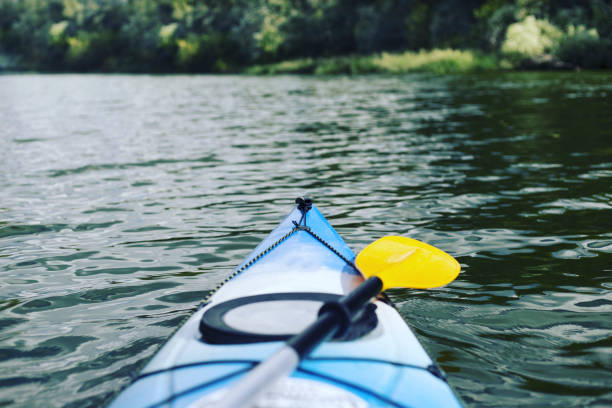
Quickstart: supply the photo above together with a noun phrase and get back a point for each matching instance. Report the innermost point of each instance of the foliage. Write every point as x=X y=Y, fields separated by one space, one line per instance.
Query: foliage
x=227 y=35
x=439 y=61
x=582 y=47
x=495 y=20
x=530 y=37
x=270 y=38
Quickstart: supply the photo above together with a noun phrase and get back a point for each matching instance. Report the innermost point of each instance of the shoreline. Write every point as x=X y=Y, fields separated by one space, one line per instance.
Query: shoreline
x=435 y=61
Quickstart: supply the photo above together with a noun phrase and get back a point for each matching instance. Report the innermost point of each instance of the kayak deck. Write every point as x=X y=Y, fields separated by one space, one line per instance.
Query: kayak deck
x=304 y=254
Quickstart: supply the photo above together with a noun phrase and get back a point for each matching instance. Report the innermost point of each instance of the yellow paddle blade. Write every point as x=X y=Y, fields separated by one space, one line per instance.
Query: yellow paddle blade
x=402 y=262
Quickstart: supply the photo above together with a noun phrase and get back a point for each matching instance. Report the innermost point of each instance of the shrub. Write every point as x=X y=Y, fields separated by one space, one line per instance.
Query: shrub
x=301 y=66
x=438 y=61
x=583 y=48
x=530 y=38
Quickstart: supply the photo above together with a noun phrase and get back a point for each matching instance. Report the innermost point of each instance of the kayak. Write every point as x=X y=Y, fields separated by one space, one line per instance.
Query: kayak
x=275 y=293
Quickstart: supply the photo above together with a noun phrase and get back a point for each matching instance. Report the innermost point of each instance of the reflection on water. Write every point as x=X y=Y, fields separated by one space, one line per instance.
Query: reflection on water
x=124 y=199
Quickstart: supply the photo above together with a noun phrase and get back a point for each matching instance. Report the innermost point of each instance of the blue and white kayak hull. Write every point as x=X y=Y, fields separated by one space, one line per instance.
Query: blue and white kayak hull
x=273 y=293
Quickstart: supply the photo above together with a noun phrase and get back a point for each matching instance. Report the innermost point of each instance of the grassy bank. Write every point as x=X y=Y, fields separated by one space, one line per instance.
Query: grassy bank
x=438 y=61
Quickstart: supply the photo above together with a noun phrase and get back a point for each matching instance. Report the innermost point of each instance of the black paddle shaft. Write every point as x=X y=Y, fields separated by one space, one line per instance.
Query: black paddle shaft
x=334 y=317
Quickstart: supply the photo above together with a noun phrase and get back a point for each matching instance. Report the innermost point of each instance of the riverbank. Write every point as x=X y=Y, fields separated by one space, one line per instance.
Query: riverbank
x=437 y=61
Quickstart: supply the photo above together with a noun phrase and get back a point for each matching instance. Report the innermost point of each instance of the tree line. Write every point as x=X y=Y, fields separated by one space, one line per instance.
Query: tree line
x=228 y=35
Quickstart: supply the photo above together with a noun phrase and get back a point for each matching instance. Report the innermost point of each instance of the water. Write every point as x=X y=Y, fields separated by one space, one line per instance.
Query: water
x=125 y=199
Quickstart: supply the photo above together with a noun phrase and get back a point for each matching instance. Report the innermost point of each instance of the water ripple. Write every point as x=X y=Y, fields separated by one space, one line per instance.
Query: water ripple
x=125 y=199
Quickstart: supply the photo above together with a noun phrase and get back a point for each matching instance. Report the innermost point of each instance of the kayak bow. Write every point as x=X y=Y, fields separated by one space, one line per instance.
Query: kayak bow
x=373 y=360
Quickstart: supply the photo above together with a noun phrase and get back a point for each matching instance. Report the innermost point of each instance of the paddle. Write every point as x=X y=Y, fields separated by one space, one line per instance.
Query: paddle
x=390 y=262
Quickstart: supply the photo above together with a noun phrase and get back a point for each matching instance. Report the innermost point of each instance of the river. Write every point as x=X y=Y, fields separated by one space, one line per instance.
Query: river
x=125 y=199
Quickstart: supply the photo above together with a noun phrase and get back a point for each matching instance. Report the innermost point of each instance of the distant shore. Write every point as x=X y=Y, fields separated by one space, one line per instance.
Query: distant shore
x=302 y=37
x=435 y=61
